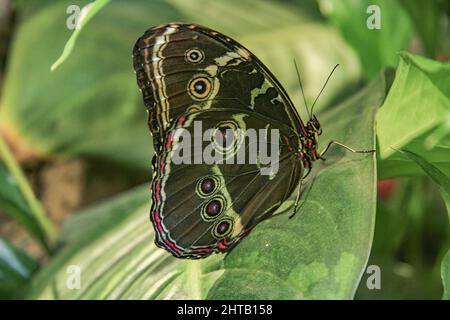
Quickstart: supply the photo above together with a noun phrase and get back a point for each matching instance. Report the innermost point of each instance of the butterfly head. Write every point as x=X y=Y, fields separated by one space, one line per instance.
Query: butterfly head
x=313 y=126
x=310 y=141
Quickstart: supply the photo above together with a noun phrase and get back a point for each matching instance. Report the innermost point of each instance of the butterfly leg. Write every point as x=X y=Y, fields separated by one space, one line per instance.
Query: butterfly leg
x=299 y=193
x=297 y=199
x=343 y=146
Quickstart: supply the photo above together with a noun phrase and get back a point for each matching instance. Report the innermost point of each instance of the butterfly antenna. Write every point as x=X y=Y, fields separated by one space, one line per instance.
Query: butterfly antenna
x=321 y=90
x=301 y=87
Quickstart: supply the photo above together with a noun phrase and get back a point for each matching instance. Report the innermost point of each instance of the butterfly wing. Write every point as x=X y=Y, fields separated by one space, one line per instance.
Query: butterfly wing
x=198 y=209
x=172 y=60
x=190 y=73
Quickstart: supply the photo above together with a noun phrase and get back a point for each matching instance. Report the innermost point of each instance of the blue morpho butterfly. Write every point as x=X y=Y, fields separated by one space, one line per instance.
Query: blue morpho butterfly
x=187 y=74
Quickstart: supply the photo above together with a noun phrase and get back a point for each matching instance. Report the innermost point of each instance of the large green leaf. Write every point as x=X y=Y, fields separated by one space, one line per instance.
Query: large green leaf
x=376 y=48
x=118 y=260
x=91 y=105
x=16 y=269
x=416 y=116
x=320 y=253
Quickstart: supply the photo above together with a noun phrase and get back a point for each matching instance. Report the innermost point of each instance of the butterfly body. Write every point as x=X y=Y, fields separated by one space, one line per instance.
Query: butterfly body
x=191 y=75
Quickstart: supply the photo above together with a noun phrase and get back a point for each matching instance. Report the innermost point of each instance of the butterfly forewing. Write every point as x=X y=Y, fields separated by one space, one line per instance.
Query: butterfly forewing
x=168 y=58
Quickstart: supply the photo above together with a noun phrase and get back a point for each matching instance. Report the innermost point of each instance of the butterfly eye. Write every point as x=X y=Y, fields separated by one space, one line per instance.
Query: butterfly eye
x=213 y=208
x=194 y=55
x=222 y=228
x=200 y=88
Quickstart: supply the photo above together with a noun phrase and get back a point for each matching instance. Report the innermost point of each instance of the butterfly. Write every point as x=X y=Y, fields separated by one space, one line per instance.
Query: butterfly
x=191 y=74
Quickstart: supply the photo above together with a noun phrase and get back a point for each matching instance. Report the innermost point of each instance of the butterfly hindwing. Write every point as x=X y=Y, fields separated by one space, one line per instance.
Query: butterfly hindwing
x=201 y=208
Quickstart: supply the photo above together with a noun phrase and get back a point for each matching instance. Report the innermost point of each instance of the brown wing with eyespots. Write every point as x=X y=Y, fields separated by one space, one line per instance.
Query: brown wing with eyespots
x=184 y=67
x=198 y=209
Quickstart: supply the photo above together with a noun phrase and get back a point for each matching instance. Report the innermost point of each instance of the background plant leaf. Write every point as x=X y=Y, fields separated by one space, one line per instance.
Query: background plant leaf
x=443 y=182
x=445 y=272
x=376 y=48
x=14 y=206
x=16 y=269
x=437 y=175
x=416 y=116
x=89 y=12
x=428 y=20
x=101 y=214
x=411 y=237
x=320 y=253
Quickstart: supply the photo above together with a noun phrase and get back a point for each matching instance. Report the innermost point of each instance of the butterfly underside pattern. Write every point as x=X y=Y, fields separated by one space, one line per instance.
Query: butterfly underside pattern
x=188 y=74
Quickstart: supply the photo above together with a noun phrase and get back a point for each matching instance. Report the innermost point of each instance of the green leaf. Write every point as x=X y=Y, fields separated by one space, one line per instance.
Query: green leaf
x=376 y=48
x=116 y=209
x=16 y=269
x=86 y=14
x=320 y=253
x=427 y=17
x=437 y=175
x=91 y=105
x=445 y=272
x=416 y=116
x=443 y=182
x=14 y=205
x=118 y=259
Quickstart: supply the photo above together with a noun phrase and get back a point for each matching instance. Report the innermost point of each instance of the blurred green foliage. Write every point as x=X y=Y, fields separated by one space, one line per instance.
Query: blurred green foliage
x=14 y=205
x=376 y=48
x=90 y=107
x=411 y=239
x=16 y=270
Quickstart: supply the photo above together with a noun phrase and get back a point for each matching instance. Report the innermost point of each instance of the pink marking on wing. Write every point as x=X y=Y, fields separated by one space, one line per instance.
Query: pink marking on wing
x=158 y=191
x=222 y=246
x=181 y=120
x=201 y=249
x=169 y=141
x=170 y=244
x=161 y=164
x=161 y=230
x=158 y=221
